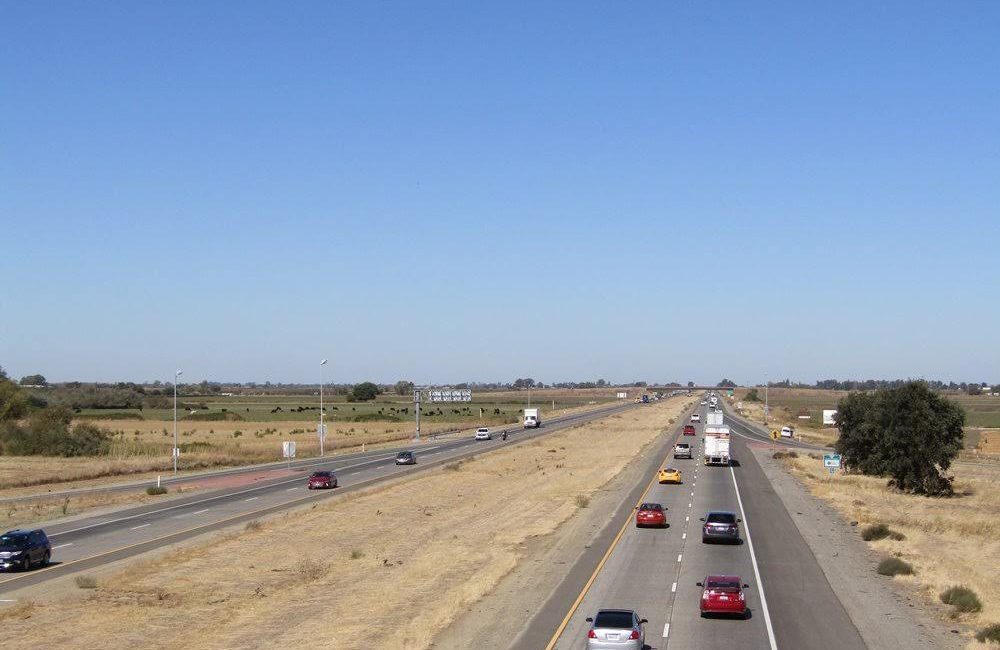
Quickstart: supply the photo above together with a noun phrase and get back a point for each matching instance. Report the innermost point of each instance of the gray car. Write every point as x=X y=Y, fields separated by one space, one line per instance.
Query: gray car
x=720 y=527
x=406 y=458
x=616 y=629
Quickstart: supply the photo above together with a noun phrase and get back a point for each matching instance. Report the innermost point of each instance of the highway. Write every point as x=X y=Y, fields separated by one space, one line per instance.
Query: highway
x=654 y=571
x=92 y=542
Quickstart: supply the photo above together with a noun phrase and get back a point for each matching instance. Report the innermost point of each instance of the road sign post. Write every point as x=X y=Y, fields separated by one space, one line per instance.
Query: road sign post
x=288 y=451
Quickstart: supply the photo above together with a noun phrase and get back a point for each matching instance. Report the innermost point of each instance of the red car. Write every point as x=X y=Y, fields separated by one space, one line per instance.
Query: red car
x=320 y=480
x=650 y=514
x=689 y=430
x=723 y=595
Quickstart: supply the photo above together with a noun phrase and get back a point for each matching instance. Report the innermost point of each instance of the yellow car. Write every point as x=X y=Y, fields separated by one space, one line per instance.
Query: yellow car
x=670 y=475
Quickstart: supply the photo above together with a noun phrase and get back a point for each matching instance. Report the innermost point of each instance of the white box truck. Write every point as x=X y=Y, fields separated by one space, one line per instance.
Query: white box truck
x=717 y=445
x=532 y=419
x=713 y=419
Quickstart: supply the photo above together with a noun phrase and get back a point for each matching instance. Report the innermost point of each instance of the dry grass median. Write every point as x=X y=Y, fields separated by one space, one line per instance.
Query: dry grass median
x=387 y=569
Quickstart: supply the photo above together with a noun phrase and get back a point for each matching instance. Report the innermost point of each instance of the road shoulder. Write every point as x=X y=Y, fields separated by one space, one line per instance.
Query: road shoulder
x=886 y=614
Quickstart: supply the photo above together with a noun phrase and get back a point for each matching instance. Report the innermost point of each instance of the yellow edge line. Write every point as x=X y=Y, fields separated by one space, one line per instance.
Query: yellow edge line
x=600 y=565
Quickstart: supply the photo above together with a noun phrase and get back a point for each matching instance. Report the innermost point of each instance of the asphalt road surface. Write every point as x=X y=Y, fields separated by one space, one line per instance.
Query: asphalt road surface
x=92 y=542
x=654 y=571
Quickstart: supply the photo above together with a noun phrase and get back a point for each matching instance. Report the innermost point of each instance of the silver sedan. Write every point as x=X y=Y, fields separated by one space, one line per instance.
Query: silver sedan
x=616 y=629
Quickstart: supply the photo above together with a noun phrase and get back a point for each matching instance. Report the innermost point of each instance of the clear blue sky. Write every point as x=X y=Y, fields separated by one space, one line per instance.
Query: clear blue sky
x=460 y=191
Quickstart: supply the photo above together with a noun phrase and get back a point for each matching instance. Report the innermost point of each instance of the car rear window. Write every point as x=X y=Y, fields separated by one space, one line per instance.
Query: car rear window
x=723 y=584
x=614 y=620
x=321 y=474
x=684 y=445
x=651 y=506
x=721 y=518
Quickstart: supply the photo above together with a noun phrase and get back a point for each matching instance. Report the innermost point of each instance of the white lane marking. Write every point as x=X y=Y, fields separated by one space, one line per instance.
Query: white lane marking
x=692 y=494
x=7 y=600
x=290 y=489
x=679 y=556
x=687 y=518
x=666 y=629
x=201 y=511
x=684 y=535
x=138 y=527
x=62 y=545
x=251 y=498
x=756 y=570
x=689 y=505
x=673 y=588
x=215 y=498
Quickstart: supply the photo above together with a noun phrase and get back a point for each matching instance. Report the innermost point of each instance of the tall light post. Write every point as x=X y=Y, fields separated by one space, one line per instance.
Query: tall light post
x=322 y=426
x=176 y=377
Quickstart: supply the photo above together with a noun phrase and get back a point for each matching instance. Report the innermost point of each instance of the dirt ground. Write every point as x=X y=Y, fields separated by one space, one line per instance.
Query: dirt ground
x=949 y=542
x=388 y=568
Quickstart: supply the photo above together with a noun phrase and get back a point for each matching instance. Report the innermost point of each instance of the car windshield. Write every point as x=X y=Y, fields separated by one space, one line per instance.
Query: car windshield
x=403 y=454
x=614 y=620
x=13 y=542
x=721 y=518
x=321 y=475
x=723 y=584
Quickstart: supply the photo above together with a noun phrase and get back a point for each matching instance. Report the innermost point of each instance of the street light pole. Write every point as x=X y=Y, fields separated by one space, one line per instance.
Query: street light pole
x=322 y=426
x=176 y=377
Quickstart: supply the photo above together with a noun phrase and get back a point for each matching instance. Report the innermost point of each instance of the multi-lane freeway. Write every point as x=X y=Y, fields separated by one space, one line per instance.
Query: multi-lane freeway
x=91 y=542
x=655 y=571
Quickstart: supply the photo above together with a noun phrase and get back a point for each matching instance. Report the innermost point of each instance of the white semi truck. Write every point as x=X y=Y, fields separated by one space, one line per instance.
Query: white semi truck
x=713 y=419
x=717 y=445
x=532 y=419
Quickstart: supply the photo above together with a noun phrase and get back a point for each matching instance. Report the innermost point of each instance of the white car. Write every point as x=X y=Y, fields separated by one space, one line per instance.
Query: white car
x=682 y=450
x=696 y=417
x=483 y=434
x=787 y=432
x=703 y=402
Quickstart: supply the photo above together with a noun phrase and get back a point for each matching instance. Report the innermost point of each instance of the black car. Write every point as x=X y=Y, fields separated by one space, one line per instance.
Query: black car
x=23 y=549
x=721 y=526
x=406 y=458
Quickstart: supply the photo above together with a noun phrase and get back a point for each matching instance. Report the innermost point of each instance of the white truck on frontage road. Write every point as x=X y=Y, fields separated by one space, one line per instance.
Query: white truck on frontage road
x=717 y=445
x=532 y=419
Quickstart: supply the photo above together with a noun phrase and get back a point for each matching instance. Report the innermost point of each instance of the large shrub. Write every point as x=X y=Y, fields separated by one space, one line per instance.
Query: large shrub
x=48 y=433
x=910 y=434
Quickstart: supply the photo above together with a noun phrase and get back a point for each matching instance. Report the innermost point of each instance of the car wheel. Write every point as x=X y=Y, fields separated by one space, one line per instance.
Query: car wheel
x=46 y=558
x=26 y=563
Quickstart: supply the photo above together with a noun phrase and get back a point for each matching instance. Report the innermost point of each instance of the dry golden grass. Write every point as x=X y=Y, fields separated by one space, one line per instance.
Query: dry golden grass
x=948 y=541
x=387 y=569
x=14 y=514
x=143 y=450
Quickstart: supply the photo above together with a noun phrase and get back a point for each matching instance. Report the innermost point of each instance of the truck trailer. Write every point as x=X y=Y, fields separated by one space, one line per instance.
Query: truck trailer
x=717 y=445
x=532 y=419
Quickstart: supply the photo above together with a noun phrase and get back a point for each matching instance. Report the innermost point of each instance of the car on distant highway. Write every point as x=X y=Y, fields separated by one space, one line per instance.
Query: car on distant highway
x=650 y=514
x=682 y=450
x=703 y=402
x=24 y=548
x=696 y=417
x=406 y=458
x=483 y=434
x=689 y=430
x=723 y=594
x=720 y=527
x=322 y=480
x=616 y=629
x=669 y=475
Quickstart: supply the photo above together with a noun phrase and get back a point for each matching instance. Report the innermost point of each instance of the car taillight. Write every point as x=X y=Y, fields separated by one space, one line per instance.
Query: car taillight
x=591 y=635
x=634 y=635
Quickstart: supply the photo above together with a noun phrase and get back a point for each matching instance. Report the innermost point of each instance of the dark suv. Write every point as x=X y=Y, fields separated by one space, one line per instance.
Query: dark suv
x=22 y=549
x=720 y=526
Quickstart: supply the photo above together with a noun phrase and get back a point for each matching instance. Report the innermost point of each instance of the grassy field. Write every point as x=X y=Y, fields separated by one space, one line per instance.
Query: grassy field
x=420 y=551
x=488 y=407
x=786 y=404
x=949 y=542
x=142 y=448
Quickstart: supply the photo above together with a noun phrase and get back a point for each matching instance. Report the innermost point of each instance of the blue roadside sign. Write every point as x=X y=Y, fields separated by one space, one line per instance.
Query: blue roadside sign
x=831 y=462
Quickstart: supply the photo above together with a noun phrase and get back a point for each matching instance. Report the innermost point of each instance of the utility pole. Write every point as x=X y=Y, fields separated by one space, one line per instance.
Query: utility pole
x=416 y=409
x=322 y=424
x=176 y=376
